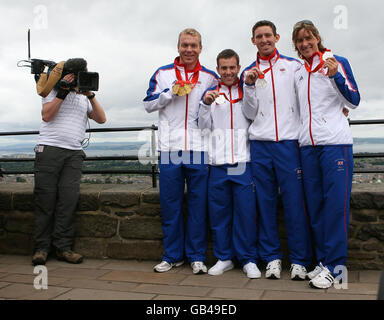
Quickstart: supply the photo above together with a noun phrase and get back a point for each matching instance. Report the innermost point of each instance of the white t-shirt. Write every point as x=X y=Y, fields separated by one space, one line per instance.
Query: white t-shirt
x=67 y=128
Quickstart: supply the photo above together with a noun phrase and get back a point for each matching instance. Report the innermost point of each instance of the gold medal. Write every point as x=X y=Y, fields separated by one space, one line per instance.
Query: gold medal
x=182 y=88
x=182 y=92
x=176 y=88
x=188 y=88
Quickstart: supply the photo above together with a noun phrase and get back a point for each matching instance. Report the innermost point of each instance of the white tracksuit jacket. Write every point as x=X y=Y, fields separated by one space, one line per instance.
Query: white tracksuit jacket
x=226 y=126
x=178 y=128
x=321 y=100
x=275 y=115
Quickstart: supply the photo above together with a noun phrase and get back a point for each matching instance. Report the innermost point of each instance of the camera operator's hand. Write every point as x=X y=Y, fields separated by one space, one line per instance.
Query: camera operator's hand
x=63 y=90
x=97 y=112
x=68 y=78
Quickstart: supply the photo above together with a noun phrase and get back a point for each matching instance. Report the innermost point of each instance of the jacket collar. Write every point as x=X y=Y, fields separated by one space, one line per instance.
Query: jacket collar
x=271 y=58
x=184 y=67
x=234 y=85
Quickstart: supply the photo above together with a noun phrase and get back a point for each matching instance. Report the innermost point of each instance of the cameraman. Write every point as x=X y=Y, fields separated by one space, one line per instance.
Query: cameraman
x=58 y=166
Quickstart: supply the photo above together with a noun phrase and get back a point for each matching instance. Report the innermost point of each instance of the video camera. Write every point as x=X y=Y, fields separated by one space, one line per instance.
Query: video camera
x=84 y=80
x=49 y=74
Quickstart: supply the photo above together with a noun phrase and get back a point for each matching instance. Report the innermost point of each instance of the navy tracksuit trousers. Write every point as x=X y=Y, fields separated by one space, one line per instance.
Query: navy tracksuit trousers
x=176 y=168
x=327 y=177
x=232 y=213
x=277 y=165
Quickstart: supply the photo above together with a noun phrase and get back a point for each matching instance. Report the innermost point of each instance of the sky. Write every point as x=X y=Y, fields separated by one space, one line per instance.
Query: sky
x=126 y=41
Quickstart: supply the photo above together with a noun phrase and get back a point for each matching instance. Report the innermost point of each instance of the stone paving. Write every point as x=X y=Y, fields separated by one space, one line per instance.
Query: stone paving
x=135 y=280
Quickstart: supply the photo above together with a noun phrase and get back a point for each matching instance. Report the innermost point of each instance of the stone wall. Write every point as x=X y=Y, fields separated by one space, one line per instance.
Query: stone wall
x=123 y=222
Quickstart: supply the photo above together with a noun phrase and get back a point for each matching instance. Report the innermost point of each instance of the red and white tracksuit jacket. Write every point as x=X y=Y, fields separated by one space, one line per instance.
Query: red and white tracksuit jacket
x=178 y=128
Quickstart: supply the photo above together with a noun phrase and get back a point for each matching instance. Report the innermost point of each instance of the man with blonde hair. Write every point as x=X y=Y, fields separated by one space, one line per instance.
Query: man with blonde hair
x=191 y=32
x=175 y=91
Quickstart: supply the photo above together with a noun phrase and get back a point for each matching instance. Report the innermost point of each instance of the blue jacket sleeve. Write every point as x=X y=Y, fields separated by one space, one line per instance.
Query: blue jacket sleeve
x=346 y=84
x=157 y=97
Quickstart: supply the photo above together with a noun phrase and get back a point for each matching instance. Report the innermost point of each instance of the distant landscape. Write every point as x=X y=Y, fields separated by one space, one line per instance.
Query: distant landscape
x=373 y=145
x=95 y=149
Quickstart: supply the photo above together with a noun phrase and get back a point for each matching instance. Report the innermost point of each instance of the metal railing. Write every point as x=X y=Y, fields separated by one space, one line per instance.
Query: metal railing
x=367 y=155
x=153 y=158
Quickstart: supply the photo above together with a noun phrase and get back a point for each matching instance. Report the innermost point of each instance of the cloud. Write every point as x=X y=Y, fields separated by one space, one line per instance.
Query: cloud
x=126 y=41
x=368 y=110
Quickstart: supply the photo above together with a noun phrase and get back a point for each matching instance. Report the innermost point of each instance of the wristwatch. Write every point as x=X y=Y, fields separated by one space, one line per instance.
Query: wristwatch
x=91 y=96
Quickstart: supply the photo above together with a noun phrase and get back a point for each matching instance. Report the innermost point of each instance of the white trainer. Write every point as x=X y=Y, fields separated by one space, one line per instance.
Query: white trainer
x=323 y=280
x=298 y=272
x=220 y=267
x=198 y=267
x=313 y=273
x=252 y=270
x=273 y=269
x=165 y=266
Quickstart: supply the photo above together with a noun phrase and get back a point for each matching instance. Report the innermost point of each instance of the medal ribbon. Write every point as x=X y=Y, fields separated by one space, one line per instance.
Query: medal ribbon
x=225 y=96
x=266 y=58
x=320 y=65
x=195 y=76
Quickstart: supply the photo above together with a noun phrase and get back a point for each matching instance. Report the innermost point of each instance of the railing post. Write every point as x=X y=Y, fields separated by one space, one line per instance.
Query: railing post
x=154 y=156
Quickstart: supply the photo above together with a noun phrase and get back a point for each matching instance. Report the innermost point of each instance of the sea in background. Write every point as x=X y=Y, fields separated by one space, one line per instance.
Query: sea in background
x=93 y=150
x=361 y=145
x=370 y=148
